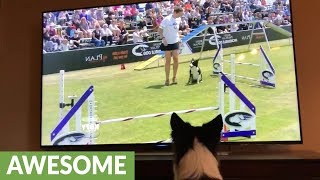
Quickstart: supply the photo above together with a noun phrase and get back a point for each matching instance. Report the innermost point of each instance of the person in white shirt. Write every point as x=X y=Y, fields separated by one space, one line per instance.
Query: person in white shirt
x=136 y=36
x=106 y=34
x=169 y=33
x=115 y=30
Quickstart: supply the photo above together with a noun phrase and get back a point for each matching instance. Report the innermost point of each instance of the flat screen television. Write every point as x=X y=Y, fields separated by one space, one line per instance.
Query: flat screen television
x=103 y=73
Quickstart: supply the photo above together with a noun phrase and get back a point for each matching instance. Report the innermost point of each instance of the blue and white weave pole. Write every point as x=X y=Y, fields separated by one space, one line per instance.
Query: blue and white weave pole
x=72 y=111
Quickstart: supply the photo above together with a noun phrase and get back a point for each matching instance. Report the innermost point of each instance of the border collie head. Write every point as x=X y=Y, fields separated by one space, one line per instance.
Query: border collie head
x=194 y=63
x=194 y=149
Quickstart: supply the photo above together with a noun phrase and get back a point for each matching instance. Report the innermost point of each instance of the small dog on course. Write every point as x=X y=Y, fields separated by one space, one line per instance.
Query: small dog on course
x=194 y=149
x=195 y=74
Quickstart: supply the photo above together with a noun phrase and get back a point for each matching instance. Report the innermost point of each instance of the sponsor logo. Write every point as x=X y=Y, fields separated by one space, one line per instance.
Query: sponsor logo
x=267 y=75
x=259 y=36
x=247 y=37
x=96 y=58
x=268 y=78
x=144 y=50
x=216 y=68
x=197 y=43
x=239 y=120
x=224 y=39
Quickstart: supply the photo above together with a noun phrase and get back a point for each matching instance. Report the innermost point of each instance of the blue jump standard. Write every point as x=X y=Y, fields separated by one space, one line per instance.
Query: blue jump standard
x=238 y=134
x=242 y=97
x=267 y=83
x=267 y=59
x=216 y=55
x=72 y=111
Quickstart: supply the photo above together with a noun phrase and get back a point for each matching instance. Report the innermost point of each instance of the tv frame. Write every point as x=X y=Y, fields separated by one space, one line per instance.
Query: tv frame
x=160 y=147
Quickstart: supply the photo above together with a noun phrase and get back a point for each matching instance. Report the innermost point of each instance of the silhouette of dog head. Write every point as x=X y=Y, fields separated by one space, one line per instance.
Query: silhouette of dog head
x=194 y=149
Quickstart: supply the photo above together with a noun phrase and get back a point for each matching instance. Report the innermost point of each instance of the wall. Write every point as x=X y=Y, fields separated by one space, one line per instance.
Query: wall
x=20 y=60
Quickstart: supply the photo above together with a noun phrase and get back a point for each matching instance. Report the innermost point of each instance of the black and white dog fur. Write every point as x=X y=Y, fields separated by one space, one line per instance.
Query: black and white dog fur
x=194 y=72
x=194 y=149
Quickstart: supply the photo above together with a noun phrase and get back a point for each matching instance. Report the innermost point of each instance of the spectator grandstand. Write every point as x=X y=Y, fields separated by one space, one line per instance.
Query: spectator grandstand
x=115 y=25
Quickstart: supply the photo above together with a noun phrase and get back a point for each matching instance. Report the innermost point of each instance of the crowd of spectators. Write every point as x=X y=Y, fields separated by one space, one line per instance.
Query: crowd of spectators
x=136 y=23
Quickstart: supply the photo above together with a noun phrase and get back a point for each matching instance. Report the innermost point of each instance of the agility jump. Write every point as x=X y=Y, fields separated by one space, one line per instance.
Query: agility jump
x=61 y=134
x=237 y=123
x=266 y=76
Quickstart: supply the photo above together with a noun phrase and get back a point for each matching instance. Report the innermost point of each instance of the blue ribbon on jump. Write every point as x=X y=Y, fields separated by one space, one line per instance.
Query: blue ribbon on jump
x=242 y=97
x=72 y=111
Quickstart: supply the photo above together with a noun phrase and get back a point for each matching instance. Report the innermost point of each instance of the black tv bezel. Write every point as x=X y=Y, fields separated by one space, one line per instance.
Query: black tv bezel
x=156 y=147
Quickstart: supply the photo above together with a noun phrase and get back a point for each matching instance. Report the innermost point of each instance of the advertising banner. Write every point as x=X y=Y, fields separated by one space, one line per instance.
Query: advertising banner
x=113 y=55
x=98 y=57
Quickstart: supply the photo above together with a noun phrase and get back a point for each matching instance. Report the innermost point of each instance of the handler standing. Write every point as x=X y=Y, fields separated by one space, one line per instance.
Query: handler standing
x=169 y=33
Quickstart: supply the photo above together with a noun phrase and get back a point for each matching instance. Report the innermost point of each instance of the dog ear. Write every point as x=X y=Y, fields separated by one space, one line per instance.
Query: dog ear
x=196 y=62
x=215 y=125
x=176 y=122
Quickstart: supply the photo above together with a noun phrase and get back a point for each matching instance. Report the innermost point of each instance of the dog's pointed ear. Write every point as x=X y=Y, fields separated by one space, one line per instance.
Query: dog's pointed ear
x=215 y=124
x=196 y=62
x=176 y=122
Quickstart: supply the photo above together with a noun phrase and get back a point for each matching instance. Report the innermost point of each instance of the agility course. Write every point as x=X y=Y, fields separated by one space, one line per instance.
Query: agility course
x=232 y=128
x=202 y=33
x=122 y=93
x=233 y=120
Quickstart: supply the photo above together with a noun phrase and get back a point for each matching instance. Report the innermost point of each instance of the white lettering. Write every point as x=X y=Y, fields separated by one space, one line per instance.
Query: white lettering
x=99 y=57
x=117 y=164
x=52 y=164
x=84 y=126
x=87 y=165
x=14 y=165
x=94 y=58
x=65 y=167
x=92 y=127
x=65 y=164
x=107 y=163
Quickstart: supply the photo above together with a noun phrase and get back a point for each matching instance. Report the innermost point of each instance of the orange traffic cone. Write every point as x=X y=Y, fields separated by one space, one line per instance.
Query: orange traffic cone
x=123 y=67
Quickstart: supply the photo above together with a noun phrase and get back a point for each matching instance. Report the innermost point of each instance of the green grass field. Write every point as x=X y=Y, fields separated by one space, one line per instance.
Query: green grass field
x=122 y=93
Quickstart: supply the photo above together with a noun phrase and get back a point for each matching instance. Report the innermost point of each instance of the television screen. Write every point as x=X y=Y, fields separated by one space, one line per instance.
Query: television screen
x=115 y=74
